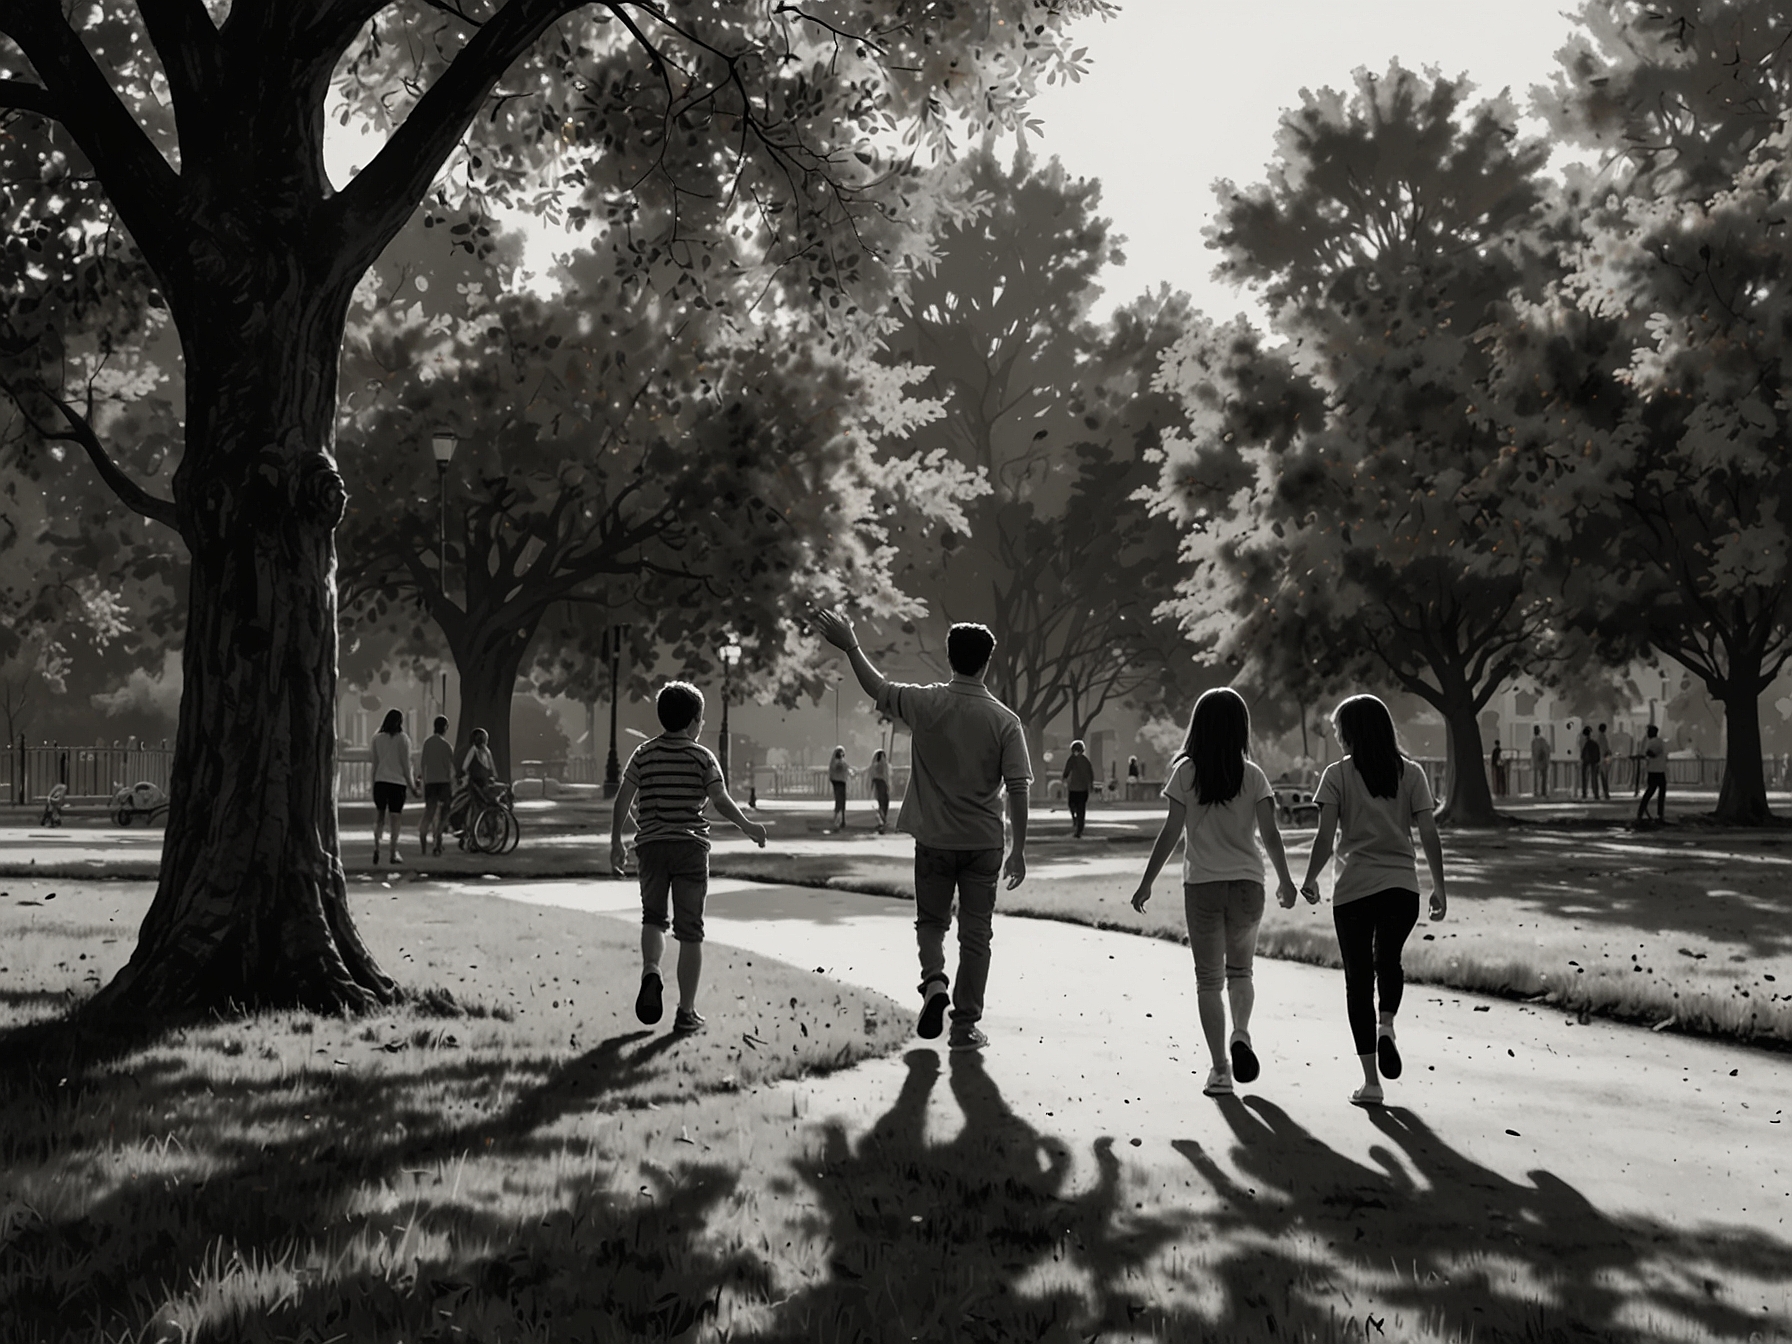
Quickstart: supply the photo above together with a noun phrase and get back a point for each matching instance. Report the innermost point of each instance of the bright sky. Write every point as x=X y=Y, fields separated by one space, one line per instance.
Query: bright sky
x=1183 y=92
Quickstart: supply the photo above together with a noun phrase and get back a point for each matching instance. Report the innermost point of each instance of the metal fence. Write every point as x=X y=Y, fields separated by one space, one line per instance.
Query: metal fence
x=28 y=773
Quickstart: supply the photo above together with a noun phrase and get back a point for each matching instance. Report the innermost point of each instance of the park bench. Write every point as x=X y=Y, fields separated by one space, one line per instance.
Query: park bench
x=1294 y=804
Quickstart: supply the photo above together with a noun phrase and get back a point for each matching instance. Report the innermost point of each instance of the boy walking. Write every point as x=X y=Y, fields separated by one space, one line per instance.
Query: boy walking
x=438 y=783
x=969 y=752
x=668 y=781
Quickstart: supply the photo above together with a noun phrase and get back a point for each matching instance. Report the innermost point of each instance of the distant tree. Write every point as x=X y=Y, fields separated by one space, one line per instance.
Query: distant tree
x=1374 y=526
x=620 y=463
x=1057 y=413
x=1655 y=381
x=801 y=132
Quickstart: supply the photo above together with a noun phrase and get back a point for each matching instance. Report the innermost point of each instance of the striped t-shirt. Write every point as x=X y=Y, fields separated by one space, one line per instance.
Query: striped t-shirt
x=672 y=776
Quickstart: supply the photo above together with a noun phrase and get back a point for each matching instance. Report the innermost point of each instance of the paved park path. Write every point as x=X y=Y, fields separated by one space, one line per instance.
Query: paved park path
x=1523 y=1125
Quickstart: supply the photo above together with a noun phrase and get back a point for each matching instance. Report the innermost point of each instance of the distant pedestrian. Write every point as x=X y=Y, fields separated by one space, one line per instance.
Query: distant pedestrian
x=392 y=779
x=880 y=788
x=1079 y=778
x=438 y=783
x=668 y=781
x=1605 y=756
x=1135 y=774
x=1498 y=761
x=1589 y=763
x=969 y=754
x=1220 y=802
x=1370 y=801
x=838 y=773
x=1539 y=763
x=1655 y=765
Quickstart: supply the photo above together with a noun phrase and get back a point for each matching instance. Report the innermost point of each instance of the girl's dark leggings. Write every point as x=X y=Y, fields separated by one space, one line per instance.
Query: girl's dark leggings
x=1371 y=932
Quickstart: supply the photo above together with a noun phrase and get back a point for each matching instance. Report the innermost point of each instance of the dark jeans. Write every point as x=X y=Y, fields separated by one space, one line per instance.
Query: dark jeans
x=1079 y=811
x=1589 y=778
x=840 y=800
x=1657 y=788
x=971 y=875
x=1371 y=932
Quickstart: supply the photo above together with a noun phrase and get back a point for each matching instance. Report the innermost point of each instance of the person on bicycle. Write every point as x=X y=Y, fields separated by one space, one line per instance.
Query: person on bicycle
x=480 y=770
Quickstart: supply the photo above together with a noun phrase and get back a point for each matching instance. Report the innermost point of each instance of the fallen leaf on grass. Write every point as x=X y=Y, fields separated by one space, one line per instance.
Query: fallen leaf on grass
x=1483 y=1008
x=1663 y=1025
x=1514 y=1133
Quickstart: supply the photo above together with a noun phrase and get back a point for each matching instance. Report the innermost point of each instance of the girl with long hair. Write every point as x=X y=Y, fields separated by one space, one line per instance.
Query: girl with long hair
x=1370 y=801
x=392 y=778
x=1218 y=802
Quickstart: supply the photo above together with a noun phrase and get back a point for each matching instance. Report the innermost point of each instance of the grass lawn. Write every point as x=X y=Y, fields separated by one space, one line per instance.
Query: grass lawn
x=1689 y=926
x=542 y=1169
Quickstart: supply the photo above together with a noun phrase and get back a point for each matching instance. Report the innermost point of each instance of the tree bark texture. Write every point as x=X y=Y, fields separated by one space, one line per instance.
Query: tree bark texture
x=251 y=907
x=489 y=661
x=1468 y=799
x=1742 y=797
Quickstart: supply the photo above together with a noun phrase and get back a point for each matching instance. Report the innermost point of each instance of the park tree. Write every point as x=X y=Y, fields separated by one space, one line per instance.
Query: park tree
x=1056 y=412
x=1653 y=380
x=682 y=473
x=1374 y=509
x=203 y=127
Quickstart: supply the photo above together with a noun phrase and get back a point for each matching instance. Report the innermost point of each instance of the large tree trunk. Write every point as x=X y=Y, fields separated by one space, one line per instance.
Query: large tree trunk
x=1742 y=798
x=489 y=662
x=1468 y=801
x=251 y=907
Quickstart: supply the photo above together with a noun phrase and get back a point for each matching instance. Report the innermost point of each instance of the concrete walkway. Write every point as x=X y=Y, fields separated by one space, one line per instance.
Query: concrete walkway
x=1094 y=1034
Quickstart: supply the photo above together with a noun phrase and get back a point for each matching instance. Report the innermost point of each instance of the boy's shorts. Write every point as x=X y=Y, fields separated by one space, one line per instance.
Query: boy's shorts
x=438 y=793
x=680 y=868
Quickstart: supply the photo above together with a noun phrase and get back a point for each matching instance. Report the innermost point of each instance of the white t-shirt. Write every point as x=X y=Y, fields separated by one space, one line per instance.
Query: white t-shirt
x=1655 y=756
x=391 y=758
x=1374 y=834
x=1221 y=844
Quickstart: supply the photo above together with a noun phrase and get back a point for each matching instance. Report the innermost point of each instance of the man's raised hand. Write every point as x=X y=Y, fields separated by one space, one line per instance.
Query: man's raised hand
x=835 y=626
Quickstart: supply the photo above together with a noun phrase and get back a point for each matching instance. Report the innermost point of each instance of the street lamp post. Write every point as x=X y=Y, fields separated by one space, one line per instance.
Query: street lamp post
x=730 y=656
x=443 y=443
x=613 y=641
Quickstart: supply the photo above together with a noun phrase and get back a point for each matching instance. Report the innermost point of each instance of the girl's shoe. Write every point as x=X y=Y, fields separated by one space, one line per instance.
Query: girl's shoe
x=1369 y=1094
x=1245 y=1067
x=1387 y=1054
x=1219 y=1082
x=687 y=1021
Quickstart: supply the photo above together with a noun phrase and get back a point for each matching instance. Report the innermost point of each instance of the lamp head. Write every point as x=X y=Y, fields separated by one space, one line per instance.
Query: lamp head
x=443 y=443
x=731 y=654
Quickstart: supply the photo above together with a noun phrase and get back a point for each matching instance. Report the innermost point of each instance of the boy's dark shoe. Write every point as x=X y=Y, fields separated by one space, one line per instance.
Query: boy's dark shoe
x=649 y=1004
x=967 y=1038
x=933 y=1012
x=688 y=1021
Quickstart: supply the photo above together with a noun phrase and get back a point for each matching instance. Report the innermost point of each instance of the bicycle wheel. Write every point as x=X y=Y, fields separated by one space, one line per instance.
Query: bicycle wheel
x=488 y=830
x=513 y=833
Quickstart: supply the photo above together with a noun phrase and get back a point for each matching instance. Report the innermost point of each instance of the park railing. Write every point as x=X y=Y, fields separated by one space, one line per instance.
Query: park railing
x=28 y=773
x=811 y=781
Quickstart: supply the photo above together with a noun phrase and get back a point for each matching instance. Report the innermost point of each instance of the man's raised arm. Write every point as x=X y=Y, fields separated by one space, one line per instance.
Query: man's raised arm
x=836 y=627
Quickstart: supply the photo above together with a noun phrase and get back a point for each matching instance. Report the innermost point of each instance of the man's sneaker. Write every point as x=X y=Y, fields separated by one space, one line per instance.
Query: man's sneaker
x=649 y=1006
x=967 y=1038
x=1219 y=1082
x=933 y=1012
x=688 y=1020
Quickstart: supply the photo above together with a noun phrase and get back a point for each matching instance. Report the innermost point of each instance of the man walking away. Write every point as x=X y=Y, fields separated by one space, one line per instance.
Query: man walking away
x=1655 y=764
x=1589 y=763
x=1605 y=755
x=1539 y=763
x=438 y=783
x=968 y=751
x=1079 y=778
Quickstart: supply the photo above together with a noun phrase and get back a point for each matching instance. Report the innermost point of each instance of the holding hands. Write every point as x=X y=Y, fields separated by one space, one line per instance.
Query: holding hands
x=1310 y=889
x=1285 y=894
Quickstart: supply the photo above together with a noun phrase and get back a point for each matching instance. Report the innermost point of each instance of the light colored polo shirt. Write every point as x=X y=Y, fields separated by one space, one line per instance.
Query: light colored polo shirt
x=391 y=758
x=1374 y=834
x=438 y=760
x=1222 y=837
x=1655 y=756
x=968 y=749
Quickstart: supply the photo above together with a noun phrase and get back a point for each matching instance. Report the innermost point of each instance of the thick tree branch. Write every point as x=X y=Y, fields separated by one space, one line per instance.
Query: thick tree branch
x=132 y=495
x=371 y=209
x=22 y=95
x=146 y=192
x=183 y=35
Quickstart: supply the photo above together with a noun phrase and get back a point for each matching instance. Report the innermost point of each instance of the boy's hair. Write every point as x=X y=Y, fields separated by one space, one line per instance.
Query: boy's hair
x=1078 y=745
x=1219 y=736
x=679 y=705
x=1651 y=731
x=968 y=646
x=1364 y=722
x=441 y=723
x=1602 y=727
x=478 y=737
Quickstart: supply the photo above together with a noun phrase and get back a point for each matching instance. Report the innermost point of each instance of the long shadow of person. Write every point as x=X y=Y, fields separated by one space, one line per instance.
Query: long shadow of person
x=981 y=1236
x=1428 y=1234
